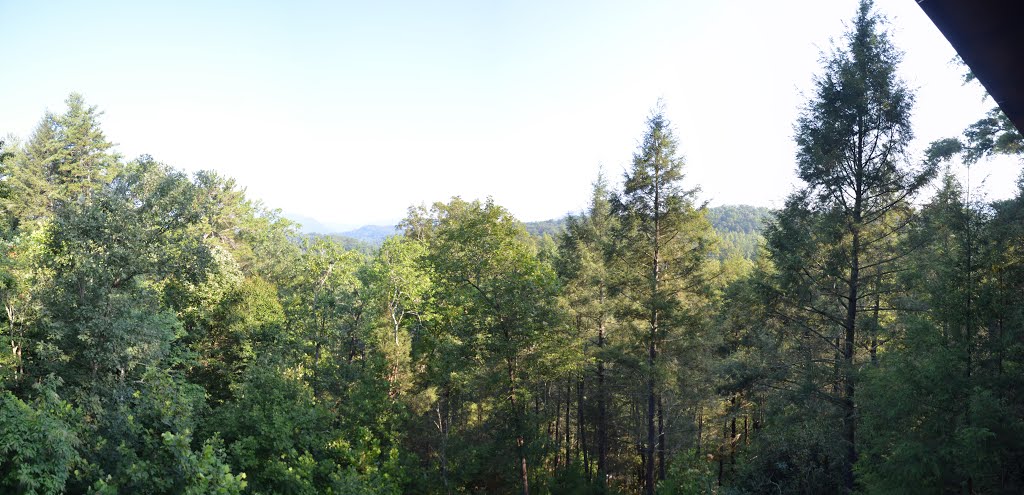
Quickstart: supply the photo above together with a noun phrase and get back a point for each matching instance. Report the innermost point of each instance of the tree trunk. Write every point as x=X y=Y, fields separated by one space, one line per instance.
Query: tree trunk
x=558 y=432
x=520 y=441
x=849 y=406
x=568 y=429
x=732 y=445
x=581 y=436
x=652 y=349
x=602 y=429
x=700 y=427
x=640 y=475
x=661 y=441
x=442 y=425
x=877 y=320
x=721 y=454
x=649 y=448
x=523 y=471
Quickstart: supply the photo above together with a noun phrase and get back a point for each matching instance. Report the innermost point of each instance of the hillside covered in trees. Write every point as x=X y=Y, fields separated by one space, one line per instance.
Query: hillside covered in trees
x=165 y=334
x=738 y=228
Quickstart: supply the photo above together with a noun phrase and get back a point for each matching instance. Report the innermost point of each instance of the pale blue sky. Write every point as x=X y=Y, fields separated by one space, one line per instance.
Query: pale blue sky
x=351 y=112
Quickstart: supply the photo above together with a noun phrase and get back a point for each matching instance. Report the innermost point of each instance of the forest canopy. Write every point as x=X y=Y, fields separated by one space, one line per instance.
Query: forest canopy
x=163 y=333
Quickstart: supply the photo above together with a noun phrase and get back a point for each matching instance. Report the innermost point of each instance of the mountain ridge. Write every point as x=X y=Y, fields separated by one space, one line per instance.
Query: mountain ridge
x=734 y=220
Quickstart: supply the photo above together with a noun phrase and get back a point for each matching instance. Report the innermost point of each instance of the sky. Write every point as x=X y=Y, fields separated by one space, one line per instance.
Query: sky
x=350 y=112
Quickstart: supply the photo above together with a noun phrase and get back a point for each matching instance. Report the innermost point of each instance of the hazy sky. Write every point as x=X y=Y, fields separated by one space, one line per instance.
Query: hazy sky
x=351 y=112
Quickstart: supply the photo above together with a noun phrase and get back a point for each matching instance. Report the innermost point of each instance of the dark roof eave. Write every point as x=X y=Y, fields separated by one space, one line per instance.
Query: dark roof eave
x=989 y=36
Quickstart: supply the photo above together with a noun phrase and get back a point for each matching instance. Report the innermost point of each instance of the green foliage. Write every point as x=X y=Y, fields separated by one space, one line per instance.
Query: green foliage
x=494 y=302
x=287 y=442
x=838 y=241
x=108 y=258
x=6 y=219
x=398 y=285
x=38 y=442
x=742 y=219
x=739 y=229
x=939 y=416
x=541 y=228
x=994 y=134
x=206 y=471
x=689 y=474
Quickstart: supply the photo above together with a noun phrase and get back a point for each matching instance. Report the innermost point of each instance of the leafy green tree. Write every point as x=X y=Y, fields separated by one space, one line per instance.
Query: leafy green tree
x=203 y=472
x=324 y=311
x=243 y=321
x=107 y=333
x=495 y=303
x=38 y=442
x=5 y=191
x=32 y=190
x=19 y=280
x=109 y=258
x=287 y=441
x=398 y=288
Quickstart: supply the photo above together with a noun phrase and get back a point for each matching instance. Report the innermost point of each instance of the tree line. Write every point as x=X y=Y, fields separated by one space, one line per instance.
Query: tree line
x=165 y=334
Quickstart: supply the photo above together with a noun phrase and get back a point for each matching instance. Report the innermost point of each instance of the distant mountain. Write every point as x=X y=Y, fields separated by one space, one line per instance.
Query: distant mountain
x=310 y=225
x=551 y=227
x=371 y=234
x=742 y=219
x=739 y=227
x=307 y=225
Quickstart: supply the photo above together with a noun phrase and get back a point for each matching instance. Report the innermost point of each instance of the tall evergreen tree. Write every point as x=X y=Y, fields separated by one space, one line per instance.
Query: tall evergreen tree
x=666 y=241
x=584 y=251
x=66 y=158
x=833 y=235
x=83 y=161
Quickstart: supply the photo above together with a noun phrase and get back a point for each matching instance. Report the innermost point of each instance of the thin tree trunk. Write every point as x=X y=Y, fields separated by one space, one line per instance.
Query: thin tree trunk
x=652 y=345
x=581 y=435
x=568 y=428
x=641 y=474
x=700 y=427
x=661 y=441
x=721 y=454
x=649 y=448
x=969 y=331
x=520 y=441
x=523 y=471
x=558 y=432
x=443 y=421
x=849 y=406
x=602 y=429
x=732 y=443
x=746 y=437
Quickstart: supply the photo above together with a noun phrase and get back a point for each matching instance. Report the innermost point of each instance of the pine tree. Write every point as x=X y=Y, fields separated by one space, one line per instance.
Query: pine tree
x=83 y=162
x=67 y=158
x=583 y=263
x=832 y=240
x=666 y=241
